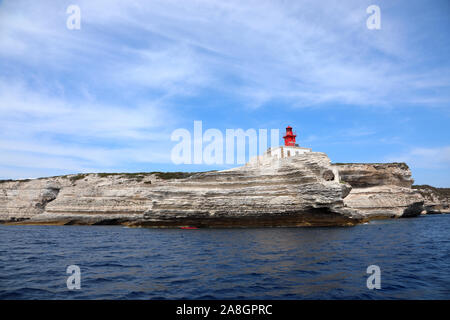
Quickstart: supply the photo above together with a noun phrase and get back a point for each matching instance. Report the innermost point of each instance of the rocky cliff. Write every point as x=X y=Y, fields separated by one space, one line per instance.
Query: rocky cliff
x=381 y=190
x=437 y=200
x=304 y=190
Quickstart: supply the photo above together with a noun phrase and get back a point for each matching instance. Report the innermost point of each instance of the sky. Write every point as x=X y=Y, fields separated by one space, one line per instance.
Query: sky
x=108 y=96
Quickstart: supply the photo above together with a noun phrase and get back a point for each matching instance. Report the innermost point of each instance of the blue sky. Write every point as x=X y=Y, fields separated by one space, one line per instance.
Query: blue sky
x=107 y=97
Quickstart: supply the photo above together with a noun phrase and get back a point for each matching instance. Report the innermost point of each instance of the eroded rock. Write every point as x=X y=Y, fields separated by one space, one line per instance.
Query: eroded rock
x=302 y=190
x=436 y=200
x=295 y=191
x=381 y=190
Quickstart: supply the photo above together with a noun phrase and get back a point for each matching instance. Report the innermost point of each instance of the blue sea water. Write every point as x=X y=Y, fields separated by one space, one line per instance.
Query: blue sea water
x=268 y=263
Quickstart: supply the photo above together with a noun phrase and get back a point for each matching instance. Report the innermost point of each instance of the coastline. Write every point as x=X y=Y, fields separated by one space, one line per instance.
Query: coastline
x=303 y=190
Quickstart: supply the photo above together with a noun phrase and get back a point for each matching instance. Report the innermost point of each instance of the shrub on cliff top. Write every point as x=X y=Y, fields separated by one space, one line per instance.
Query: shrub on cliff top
x=139 y=176
x=78 y=177
x=440 y=192
x=10 y=180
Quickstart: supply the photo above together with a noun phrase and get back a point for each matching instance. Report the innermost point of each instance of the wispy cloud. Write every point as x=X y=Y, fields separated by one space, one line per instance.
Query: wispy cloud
x=308 y=53
x=425 y=158
x=42 y=131
x=109 y=94
x=37 y=112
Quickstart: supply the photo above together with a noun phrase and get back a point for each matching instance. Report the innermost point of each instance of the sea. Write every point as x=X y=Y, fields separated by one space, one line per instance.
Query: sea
x=411 y=258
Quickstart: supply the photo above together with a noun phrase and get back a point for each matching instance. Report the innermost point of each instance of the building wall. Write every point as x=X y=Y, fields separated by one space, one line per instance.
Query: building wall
x=275 y=153
x=288 y=151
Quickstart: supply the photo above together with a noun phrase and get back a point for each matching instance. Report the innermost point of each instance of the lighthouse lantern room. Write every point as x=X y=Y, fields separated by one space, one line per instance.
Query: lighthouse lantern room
x=289 y=138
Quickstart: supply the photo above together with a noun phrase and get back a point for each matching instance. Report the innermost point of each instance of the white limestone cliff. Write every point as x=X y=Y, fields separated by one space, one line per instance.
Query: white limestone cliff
x=297 y=191
x=300 y=190
x=381 y=190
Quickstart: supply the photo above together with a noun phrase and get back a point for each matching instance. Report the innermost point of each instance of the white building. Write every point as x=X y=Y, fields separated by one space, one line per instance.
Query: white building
x=285 y=151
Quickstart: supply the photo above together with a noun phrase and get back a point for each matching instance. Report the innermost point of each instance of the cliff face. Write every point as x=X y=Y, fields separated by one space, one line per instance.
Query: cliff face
x=297 y=191
x=437 y=200
x=301 y=190
x=24 y=199
x=381 y=190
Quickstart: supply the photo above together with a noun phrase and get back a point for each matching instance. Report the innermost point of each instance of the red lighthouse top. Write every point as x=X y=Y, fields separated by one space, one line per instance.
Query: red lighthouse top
x=289 y=138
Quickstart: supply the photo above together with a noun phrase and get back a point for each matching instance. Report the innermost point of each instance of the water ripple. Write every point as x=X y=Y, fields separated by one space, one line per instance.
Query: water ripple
x=278 y=263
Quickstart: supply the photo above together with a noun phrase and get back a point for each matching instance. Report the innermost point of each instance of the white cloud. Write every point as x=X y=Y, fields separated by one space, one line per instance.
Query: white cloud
x=104 y=95
x=175 y=70
x=40 y=131
x=36 y=111
x=307 y=52
x=425 y=158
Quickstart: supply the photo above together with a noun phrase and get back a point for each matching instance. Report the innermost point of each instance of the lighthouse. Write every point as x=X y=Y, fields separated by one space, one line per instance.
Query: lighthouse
x=289 y=149
x=289 y=138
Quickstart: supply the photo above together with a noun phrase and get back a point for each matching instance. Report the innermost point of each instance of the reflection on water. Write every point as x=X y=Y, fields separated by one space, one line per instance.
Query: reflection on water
x=270 y=263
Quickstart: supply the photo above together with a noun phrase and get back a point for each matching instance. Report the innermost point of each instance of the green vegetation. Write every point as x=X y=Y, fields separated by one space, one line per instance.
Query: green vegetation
x=124 y=174
x=138 y=176
x=426 y=189
x=173 y=175
x=401 y=165
x=10 y=180
x=78 y=177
